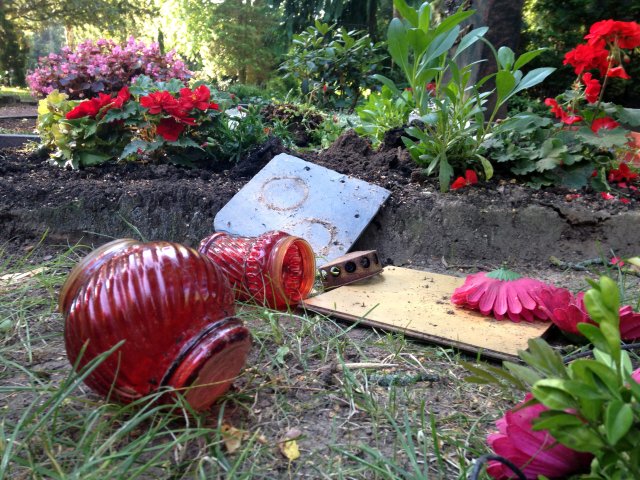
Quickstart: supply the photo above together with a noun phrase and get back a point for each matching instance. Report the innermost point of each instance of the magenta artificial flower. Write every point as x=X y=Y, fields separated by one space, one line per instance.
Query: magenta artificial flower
x=566 y=311
x=501 y=293
x=534 y=452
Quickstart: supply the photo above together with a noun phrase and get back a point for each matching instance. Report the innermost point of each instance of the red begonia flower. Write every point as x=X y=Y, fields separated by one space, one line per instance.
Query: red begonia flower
x=503 y=293
x=592 y=87
x=534 y=452
x=587 y=57
x=606 y=123
x=196 y=98
x=607 y=196
x=158 y=102
x=122 y=97
x=622 y=34
x=90 y=108
x=170 y=129
x=214 y=106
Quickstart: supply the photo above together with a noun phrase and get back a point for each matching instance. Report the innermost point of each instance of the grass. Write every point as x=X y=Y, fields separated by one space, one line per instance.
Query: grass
x=22 y=93
x=355 y=399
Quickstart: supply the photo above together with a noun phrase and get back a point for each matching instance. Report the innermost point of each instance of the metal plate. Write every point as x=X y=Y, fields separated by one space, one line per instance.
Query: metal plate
x=328 y=209
x=417 y=304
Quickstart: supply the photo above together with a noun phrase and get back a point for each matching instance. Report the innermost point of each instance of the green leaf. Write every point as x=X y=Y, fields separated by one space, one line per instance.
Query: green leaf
x=469 y=39
x=398 y=45
x=553 y=393
x=618 y=420
x=441 y=44
x=597 y=374
x=486 y=165
x=388 y=83
x=533 y=78
x=579 y=438
x=506 y=57
x=505 y=83
x=526 y=374
x=87 y=159
x=407 y=12
x=424 y=17
x=550 y=420
x=133 y=148
x=445 y=173
x=594 y=335
x=526 y=58
x=452 y=21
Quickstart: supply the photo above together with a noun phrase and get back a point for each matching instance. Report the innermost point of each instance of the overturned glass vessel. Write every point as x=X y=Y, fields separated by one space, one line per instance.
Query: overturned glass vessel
x=174 y=309
x=274 y=269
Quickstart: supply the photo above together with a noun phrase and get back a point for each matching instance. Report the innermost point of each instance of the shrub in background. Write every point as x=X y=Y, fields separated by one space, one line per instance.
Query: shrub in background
x=333 y=65
x=154 y=120
x=103 y=67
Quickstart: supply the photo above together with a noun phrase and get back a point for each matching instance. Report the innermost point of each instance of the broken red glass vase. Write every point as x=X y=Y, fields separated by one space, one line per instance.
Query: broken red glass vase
x=274 y=269
x=173 y=308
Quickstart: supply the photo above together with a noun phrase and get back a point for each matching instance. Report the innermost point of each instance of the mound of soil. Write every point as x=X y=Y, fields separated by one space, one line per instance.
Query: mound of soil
x=499 y=219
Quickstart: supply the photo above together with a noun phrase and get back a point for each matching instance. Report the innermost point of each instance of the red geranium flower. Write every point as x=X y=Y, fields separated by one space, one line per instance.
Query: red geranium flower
x=618 y=72
x=592 y=87
x=196 y=98
x=607 y=123
x=558 y=111
x=622 y=174
x=470 y=178
x=170 y=129
x=587 y=57
x=503 y=293
x=622 y=34
x=534 y=452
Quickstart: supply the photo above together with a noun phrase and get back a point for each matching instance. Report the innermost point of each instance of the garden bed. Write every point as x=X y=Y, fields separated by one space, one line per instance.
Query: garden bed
x=485 y=224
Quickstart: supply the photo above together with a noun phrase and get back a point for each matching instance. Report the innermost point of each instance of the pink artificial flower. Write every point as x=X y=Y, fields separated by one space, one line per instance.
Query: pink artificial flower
x=534 y=452
x=503 y=293
x=617 y=261
x=606 y=123
x=636 y=375
x=566 y=311
x=470 y=178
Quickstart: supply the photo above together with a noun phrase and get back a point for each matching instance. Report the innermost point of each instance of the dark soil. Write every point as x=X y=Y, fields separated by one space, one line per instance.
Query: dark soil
x=28 y=181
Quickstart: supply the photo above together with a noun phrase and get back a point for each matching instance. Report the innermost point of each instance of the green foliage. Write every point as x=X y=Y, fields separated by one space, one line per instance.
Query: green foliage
x=79 y=142
x=450 y=108
x=544 y=153
x=332 y=65
x=593 y=404
x=383 y=111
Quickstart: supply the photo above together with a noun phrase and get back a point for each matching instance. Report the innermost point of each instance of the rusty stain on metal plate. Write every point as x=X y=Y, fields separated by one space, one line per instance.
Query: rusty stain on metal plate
x=328 y=209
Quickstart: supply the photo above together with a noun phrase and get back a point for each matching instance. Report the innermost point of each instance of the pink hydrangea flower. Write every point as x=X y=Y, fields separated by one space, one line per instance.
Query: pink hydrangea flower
x=501 y=293
x=533 y=452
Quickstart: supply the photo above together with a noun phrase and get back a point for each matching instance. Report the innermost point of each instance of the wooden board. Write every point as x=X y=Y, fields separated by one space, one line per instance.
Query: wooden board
x=417 y=304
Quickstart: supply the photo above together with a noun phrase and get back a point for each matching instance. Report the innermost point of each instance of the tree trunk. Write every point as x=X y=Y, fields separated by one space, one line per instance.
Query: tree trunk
x=69 y=37
x=504 y=19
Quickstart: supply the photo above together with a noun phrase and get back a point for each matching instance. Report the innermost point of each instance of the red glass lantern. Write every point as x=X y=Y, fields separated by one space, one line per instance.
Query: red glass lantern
x=275 y=269
x=173 y=308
